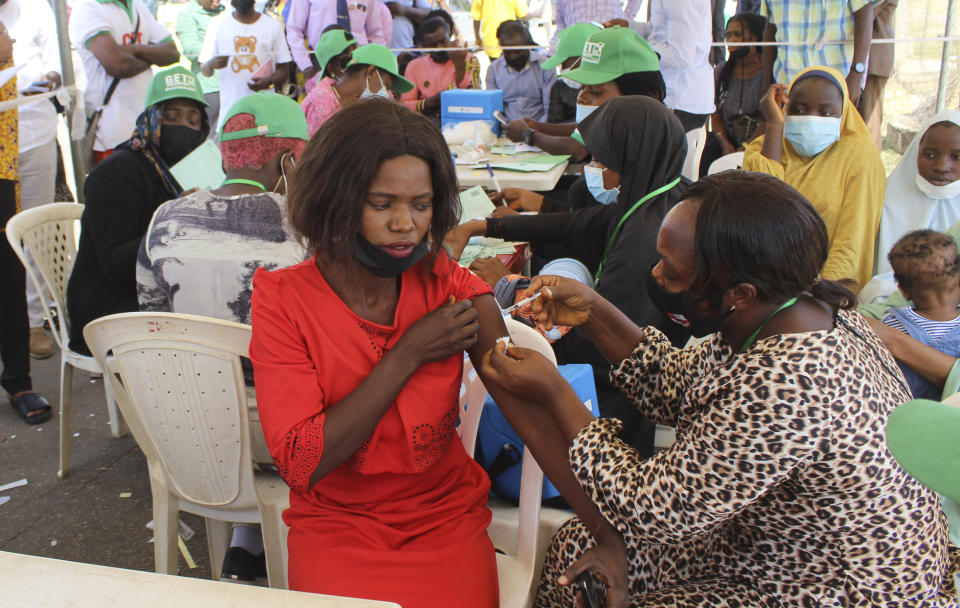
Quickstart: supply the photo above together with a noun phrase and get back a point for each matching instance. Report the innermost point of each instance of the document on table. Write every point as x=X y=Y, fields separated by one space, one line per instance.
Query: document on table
x=485 y=247
x=532 y=164
x=202 y=168
x=475 y=204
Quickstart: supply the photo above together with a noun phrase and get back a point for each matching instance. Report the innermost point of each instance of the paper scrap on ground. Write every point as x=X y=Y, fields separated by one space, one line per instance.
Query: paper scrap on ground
x=182 y=528
x=4 y=499
x=126 y=494
x=531 y=164
x=13 y=484
x=475 y=204
x=202 y=168
x=186 y=553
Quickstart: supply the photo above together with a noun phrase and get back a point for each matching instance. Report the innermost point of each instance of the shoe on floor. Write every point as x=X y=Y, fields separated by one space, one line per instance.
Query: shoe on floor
x=41 y=346
x=239 y=565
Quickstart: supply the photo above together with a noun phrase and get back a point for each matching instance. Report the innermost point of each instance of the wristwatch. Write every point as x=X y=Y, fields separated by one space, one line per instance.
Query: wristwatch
x=859 y=67
x=527 y=136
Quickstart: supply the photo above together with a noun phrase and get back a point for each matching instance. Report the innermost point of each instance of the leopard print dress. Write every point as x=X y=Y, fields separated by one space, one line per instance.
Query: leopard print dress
x=779 y=490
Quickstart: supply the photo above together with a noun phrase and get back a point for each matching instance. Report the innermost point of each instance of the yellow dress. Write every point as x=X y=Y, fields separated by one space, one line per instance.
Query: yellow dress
x=492 y=13
x=845 y=183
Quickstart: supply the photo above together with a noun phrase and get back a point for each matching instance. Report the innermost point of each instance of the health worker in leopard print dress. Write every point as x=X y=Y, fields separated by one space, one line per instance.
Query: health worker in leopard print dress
x=779 y=490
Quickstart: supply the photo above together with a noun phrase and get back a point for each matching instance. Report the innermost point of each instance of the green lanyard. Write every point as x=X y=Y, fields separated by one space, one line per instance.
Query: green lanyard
x=240 y=180
x=626 y=216
x=753 y=337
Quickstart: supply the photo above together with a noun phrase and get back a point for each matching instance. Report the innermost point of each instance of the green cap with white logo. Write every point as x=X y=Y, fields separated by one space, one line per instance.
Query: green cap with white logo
x=330 y=45
x=275 y=116
x=380 y=56
x=174 y=83
x=611 y=53
x=570 y=43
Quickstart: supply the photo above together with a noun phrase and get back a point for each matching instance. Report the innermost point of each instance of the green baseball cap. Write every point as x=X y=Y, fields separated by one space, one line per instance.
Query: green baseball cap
x=174 y=83
x=570 y=43
x=924 y=437
x=611 y=53
x=380 y=56
x=330 y=45
x=275 y=115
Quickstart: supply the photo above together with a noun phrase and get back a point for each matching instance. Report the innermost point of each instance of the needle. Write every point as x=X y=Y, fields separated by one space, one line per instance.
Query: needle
x=522 y=302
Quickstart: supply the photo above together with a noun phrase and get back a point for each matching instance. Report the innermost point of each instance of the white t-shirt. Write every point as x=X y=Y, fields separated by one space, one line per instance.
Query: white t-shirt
x=35 y=32
x=248 y=47
x=92 y=18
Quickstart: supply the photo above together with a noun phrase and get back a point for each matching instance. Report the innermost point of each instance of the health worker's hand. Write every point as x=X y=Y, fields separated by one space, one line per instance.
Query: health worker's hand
x=608 y=562
x=562 y=301
x=518 y=199
x=522 y=372
x=490 y=270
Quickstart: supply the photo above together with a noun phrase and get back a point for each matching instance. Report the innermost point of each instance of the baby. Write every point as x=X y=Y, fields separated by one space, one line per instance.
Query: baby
x=926 y=267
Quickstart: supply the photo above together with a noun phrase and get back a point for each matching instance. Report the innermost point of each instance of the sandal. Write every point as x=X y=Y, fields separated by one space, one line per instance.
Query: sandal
x=26 y=402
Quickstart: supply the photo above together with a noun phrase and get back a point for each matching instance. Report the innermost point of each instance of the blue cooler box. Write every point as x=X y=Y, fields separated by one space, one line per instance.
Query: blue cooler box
x=497 y=440
x=464 y=105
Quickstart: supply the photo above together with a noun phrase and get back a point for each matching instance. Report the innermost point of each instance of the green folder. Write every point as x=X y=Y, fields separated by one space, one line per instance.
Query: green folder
x=531 y=164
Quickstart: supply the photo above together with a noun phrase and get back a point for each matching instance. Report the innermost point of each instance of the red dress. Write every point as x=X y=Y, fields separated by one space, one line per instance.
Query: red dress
x=405 y=518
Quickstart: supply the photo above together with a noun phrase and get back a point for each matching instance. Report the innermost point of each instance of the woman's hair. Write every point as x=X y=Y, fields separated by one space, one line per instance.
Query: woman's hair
x=327 y=198
x=648 y=84
x=253 y=152
x=750 y=22
x=430 y=25
x=756 y=229
x=925 y=259
x=439 y=12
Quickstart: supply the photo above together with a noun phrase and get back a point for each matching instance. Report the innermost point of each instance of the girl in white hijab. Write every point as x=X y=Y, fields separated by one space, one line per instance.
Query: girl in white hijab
x=923 y=192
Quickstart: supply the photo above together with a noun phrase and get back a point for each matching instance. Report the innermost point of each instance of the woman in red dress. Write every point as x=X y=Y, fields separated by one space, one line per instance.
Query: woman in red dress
x=358 y=354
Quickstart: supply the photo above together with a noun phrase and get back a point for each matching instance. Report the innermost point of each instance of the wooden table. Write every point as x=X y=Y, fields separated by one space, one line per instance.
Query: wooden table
x=28 y=581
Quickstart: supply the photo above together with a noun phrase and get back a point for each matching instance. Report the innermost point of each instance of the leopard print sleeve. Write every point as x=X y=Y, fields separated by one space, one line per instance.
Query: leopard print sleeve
x=740 y=446
x=656 y=375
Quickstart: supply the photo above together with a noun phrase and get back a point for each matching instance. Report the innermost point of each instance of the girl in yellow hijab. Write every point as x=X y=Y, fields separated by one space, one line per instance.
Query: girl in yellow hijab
x=817 y=142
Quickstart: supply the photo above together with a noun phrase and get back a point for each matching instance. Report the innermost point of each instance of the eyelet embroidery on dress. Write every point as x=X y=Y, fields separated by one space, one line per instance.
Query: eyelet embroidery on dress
x=304 y=448
x=429 y=441
x=378 y=337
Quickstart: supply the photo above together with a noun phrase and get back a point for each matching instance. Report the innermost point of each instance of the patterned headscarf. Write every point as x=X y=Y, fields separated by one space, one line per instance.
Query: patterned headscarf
x=146 y=140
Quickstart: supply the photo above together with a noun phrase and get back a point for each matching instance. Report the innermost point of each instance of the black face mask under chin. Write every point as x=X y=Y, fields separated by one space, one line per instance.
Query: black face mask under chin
x=176 y=141
x=680 y=308
x=382 y=263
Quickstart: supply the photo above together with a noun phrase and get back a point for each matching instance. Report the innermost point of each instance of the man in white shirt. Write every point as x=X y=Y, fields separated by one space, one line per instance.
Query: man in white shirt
x=34 y=27
x=103 y=33
x=248 y=49
x=681 y=32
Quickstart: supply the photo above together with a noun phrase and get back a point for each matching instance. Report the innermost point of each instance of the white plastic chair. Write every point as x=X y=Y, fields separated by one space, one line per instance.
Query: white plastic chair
x=179 y=384
x=472 y=396
x=696 y=140
x=734 y=160
x=50 y=234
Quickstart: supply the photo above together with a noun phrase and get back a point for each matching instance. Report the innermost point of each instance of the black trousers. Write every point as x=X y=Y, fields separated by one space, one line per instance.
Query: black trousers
x=14 y=326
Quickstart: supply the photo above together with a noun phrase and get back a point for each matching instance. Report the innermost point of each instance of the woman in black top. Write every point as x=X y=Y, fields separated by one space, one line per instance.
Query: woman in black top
x=643 y=141
x=123 y=191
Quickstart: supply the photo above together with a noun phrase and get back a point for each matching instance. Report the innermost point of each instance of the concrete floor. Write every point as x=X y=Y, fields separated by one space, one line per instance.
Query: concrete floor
x=82 y=517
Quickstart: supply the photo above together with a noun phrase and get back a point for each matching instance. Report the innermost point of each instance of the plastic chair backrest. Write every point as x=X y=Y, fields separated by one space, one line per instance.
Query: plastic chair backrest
x=472 y=396
x=696 y=140
x=50 y=233
x=180 y=385
x=734 y=160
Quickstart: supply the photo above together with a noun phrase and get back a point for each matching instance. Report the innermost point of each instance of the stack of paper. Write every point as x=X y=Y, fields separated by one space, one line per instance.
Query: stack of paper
x=531 y=164
x=202 y=168
x=484 y=247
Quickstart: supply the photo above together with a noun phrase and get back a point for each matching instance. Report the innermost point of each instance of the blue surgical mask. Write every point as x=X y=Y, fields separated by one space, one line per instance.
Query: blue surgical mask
x=811 y=135
x=594 y=177
x=584 y=111
x=381 y=92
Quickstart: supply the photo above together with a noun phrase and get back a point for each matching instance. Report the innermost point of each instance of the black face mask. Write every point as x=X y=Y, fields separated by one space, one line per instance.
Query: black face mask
x=680 y=308
x=440 y=56
x=383 y=264
x=176 y=141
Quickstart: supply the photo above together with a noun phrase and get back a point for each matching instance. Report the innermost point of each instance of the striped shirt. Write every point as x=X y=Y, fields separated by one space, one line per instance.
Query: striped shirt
x=936 y=329
x=813 y=21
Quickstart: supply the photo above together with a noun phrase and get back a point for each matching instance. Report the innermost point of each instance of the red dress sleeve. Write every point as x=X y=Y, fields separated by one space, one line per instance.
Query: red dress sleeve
x=460 y=281
x=289 y=398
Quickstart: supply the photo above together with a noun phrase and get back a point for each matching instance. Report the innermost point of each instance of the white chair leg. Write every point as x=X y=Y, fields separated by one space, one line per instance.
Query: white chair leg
x=275 y=544
x=166 y=511
x=118 y=428
x=218 y=539
x=66 y=396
